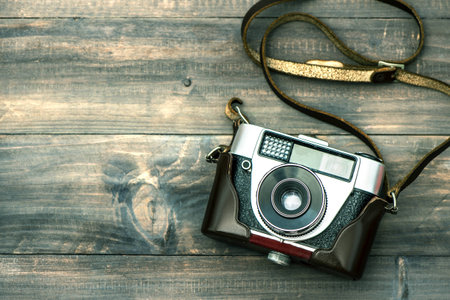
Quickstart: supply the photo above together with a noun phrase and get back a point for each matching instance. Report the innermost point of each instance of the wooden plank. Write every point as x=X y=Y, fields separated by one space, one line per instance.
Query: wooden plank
x=118 y=277
x=116 y=76
x=107 y=109
x=161 y=8
x=147 y=195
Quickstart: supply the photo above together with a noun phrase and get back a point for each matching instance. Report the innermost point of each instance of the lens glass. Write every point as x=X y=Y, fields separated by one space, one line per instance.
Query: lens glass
x=291 y=200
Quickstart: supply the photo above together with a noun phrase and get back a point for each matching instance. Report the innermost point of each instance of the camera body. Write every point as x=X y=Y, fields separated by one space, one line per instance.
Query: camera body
x=298 y=199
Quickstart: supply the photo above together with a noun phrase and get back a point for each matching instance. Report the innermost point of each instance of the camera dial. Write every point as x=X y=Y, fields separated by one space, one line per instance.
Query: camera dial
x=291 y=200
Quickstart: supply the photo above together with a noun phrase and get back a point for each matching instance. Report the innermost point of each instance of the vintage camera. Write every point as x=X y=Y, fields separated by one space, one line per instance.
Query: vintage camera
x=297 y=199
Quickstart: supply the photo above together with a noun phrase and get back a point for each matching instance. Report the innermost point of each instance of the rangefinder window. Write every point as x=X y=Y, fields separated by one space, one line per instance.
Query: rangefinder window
x=323 y=162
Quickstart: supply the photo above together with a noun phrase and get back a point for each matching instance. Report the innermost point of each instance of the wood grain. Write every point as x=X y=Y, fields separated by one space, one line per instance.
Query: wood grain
x=147 y=195
x=107 y=109
x=126 y=76
x=197 y=8
x=117 y=277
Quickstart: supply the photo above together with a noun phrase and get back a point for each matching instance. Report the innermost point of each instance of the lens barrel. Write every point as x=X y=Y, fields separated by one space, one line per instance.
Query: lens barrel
x=291 y=199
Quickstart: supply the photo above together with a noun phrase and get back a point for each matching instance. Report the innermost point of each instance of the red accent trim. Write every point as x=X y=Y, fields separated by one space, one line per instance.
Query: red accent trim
x=280 y=247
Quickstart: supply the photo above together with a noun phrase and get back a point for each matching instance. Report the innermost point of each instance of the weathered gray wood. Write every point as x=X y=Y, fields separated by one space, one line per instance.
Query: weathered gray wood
x=119 y=76
x=118 y=277
x=147 y=195
x=120 y=68
x=162 y=8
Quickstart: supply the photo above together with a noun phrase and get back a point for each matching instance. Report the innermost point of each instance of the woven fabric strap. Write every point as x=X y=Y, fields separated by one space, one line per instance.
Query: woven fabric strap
x=368 y=70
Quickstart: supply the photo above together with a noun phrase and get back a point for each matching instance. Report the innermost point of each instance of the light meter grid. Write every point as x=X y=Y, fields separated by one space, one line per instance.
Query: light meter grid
x=276 y=147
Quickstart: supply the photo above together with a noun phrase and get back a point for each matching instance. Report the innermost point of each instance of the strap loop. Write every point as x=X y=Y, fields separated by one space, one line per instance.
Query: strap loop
x=234 y=113
x=392 y=208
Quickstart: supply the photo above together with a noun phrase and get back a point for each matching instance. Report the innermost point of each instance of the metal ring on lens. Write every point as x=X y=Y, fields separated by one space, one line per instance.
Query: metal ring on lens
x=308 y=198
x=280 y=224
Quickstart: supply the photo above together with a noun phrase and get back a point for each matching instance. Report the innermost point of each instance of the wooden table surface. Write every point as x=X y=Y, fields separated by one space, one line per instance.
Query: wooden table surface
x=108 y=108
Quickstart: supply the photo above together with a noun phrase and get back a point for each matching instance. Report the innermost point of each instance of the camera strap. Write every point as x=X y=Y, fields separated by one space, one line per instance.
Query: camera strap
x=368 y=70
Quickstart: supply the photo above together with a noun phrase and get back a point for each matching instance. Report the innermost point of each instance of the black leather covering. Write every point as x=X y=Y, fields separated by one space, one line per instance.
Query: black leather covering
x=352 y=207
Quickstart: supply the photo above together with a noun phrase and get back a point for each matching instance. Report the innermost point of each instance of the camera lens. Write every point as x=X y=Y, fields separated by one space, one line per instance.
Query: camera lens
x=291 y=199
